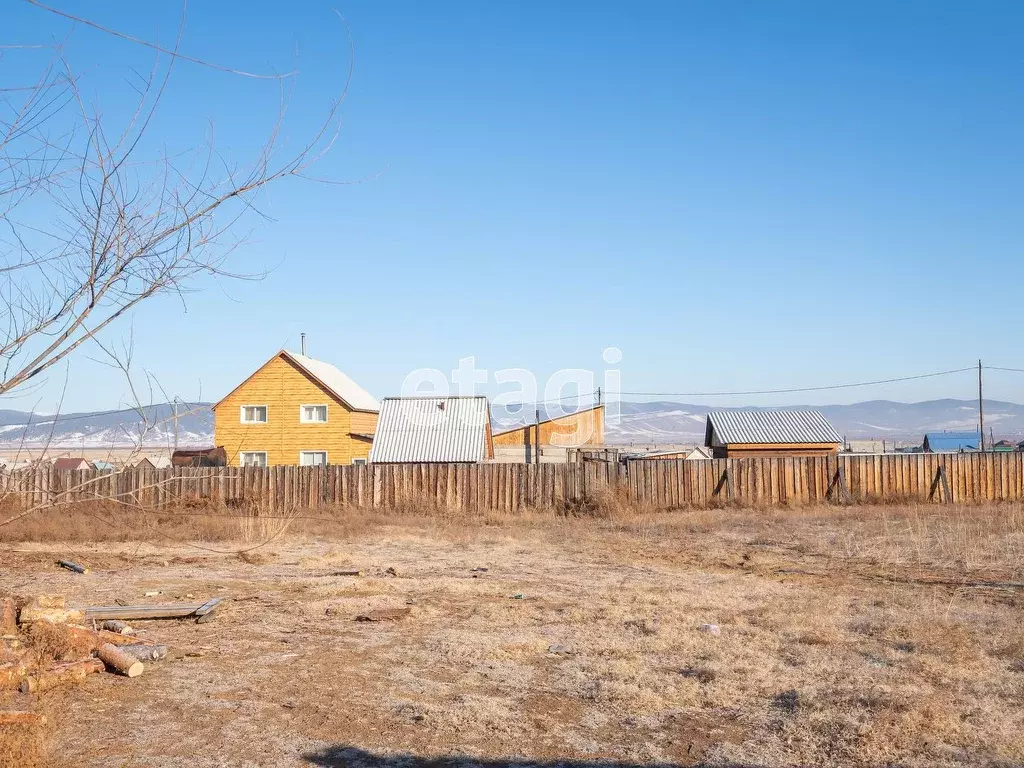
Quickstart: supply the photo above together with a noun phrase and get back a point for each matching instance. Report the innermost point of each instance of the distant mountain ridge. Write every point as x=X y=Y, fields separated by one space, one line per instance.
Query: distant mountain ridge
x=154 y=426
x=669 y=422
x=661 y=422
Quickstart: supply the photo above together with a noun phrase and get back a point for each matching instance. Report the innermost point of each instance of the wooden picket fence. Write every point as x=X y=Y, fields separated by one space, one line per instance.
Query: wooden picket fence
x=510 y=487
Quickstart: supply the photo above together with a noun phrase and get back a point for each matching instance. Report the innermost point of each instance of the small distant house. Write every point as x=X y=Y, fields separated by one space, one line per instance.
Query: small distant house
x=144 y=463
x=951 y=442
x=1003 y=446
x=433 y=430
x=699 y=452
x=102 y=466
x=12 y=465
x=731 y=434
x=691 y=454
x=295 y=410
x=66 y=464
x=196 y=457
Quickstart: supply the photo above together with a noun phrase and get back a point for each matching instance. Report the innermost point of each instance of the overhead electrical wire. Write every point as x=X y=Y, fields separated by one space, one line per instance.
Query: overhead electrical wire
x=46 y=420
x=791 y=390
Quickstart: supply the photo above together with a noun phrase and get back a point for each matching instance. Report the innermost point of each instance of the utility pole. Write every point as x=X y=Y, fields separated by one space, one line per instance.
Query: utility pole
x=981 y=413
x=598 y=395
x=174 y=403
x=536 y=439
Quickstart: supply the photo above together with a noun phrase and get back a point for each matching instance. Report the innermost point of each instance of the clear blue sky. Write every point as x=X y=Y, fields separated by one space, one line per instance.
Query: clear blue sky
x=738 y=195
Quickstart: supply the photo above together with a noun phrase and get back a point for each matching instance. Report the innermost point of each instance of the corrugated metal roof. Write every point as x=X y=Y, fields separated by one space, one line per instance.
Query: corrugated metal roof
x=431 y=429
x=951 y=442
x=769 y=427
x=336 y=381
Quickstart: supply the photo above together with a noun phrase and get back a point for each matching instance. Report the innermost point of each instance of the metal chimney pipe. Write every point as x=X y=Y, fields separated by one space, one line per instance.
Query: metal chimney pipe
x=302 y=343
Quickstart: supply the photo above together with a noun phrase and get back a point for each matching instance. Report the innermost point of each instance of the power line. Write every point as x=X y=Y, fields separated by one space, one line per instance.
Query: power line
x=997 y=368
x=792 y=390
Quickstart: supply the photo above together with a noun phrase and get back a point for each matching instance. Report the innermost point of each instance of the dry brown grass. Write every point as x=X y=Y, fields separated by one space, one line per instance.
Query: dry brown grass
x=52 y=642
x=24 y=746
x=861 y=636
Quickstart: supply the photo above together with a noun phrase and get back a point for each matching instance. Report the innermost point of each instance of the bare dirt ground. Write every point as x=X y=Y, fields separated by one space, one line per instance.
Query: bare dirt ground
x=872 y=636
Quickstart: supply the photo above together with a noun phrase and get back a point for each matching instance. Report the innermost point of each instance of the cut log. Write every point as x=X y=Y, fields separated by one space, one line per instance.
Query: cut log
x=144 y=652
x=119 y=661
x=21 y=718
x=347 y=573
x=72 y=566
x=8 y=616
x=99 y=637
x=48 y=601
x=61 y=674
x=385 y=614
x=118 y=626
x=32 y=613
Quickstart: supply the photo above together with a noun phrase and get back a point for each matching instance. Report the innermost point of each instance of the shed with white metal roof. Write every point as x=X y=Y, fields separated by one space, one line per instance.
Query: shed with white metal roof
x=739 y=433
x=433 y=430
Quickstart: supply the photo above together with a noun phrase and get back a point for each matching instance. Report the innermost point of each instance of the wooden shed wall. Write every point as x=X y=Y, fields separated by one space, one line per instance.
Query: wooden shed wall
x=571 y=431
x=735 y=451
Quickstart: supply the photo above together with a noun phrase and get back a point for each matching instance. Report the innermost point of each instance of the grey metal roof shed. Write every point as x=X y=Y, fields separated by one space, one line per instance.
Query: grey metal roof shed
x=433 y=430
x=764 y=430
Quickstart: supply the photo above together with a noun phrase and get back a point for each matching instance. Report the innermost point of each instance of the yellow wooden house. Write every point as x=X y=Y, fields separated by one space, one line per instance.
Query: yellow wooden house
x=296 y=410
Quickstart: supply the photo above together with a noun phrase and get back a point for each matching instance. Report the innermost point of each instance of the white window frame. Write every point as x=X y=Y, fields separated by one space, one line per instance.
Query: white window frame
x=302 y=413
x=326 y=459
x=241 y=414
x=243 y=454
x=358 y=461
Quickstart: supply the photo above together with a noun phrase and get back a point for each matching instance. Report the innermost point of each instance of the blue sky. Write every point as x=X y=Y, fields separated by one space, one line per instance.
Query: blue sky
x=736 y=195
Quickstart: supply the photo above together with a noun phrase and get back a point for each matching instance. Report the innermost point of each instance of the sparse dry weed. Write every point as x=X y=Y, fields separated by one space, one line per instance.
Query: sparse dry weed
x=847 y=636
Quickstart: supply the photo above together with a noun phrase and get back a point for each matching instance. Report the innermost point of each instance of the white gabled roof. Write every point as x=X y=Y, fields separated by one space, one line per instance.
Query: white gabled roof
x=432 y=429
x=330 y=378
x=336 y=381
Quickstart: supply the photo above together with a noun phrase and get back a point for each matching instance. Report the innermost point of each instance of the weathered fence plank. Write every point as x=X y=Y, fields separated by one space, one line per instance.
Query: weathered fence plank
x=513 y=487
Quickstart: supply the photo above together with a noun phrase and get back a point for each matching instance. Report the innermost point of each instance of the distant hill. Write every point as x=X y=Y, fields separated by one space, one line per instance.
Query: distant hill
x=667 y=422
x=662 y=422
x=103 y=429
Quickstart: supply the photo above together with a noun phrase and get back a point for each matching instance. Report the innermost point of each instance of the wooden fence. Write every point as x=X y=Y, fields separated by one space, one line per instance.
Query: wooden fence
x=511 y=487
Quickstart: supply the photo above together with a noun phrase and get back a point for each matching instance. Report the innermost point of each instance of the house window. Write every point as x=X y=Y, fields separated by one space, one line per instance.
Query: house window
x=313 y=414
x=358 y=462
x=254 y=458
x=254 y=414
x=312 y=458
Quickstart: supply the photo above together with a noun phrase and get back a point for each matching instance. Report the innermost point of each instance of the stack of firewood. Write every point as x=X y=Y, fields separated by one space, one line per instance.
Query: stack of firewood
x=45 y=644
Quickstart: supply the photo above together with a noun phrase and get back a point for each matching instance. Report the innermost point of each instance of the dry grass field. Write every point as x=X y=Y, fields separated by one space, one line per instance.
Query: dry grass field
x=865 y=636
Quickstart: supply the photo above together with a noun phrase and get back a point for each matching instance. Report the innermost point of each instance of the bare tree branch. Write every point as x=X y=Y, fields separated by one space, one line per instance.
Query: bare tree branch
x=124 y=227
x=146 y=43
